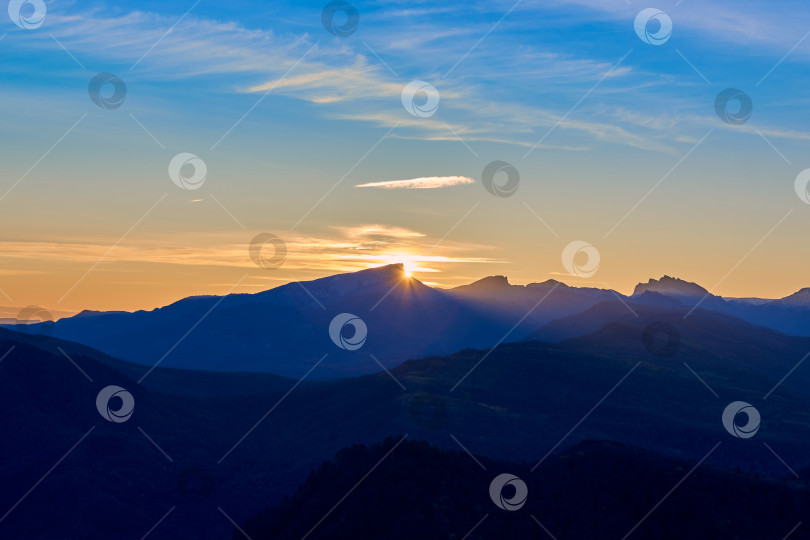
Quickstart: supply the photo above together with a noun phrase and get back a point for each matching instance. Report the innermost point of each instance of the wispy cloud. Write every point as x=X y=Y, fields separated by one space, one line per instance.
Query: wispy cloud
x=8 y=314
x=377 y=230
x=486 y=102
x=337 y=249
x=353 y=84
x=751 y=24
x=429 y=182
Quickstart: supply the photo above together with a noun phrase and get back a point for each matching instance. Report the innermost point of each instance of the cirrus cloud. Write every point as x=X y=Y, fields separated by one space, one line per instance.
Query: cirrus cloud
x=427 y=182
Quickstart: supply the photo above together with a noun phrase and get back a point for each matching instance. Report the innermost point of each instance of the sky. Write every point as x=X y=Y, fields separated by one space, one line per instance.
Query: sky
x=370 y=139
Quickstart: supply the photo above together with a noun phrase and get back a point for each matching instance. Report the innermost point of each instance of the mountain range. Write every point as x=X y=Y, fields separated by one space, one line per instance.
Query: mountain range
x=213 y=444
x=285 y=330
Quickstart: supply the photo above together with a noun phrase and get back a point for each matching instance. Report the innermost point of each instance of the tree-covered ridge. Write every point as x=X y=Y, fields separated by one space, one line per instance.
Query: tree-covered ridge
x=594 y=490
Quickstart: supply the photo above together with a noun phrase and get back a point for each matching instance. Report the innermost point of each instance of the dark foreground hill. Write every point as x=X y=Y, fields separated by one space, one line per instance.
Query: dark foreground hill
x=401 y=490
x=199 y=444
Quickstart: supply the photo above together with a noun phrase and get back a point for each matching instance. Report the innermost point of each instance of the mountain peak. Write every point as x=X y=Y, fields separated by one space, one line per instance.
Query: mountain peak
x=393 y=270
x=547 y=283
x=484 y=285
x=492 y=281
x=95 y=313
x=800 y=297
x=670 y=286
x=368 y=277
x=340 y=286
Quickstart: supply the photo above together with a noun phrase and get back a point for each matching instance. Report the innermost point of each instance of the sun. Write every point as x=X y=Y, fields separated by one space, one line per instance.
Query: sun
x=408 y=268
x=409 y=261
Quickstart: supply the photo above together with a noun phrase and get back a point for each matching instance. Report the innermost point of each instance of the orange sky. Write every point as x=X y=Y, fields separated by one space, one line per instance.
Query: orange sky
x=151 y=269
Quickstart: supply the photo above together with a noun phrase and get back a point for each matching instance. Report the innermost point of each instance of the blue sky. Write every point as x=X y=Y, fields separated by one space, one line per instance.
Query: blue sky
x=614 y=115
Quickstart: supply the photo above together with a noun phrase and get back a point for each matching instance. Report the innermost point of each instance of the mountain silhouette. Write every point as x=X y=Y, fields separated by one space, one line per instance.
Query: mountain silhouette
x=285 y=330
x=670 y=286
x=242 y=441
x=594 y=490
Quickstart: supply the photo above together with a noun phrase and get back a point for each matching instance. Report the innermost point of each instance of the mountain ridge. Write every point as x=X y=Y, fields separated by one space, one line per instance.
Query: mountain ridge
x=518 y=403
x=389 y=273
x=284 y=330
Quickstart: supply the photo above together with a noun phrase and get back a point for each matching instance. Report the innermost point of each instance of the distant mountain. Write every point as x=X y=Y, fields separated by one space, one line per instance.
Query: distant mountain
x=646 y=309
x=800 y=298
x=585 y=322
x=534 y=304
x=669 y=286
x=790 y=314
x=286 y=330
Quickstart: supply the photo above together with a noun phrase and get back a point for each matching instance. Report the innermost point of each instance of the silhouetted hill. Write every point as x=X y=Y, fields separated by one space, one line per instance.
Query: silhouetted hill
x=640 y=312
x=592 y=491
x=115 y=483
x=286 y=330
x=790 y=315
x=669 y=286
x=520 y=401
x=800 y=298
x=174 y=381
x=533 y=304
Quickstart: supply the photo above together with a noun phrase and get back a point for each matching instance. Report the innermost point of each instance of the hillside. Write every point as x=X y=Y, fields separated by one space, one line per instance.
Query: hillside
x=594 y=490
x=247 y=450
